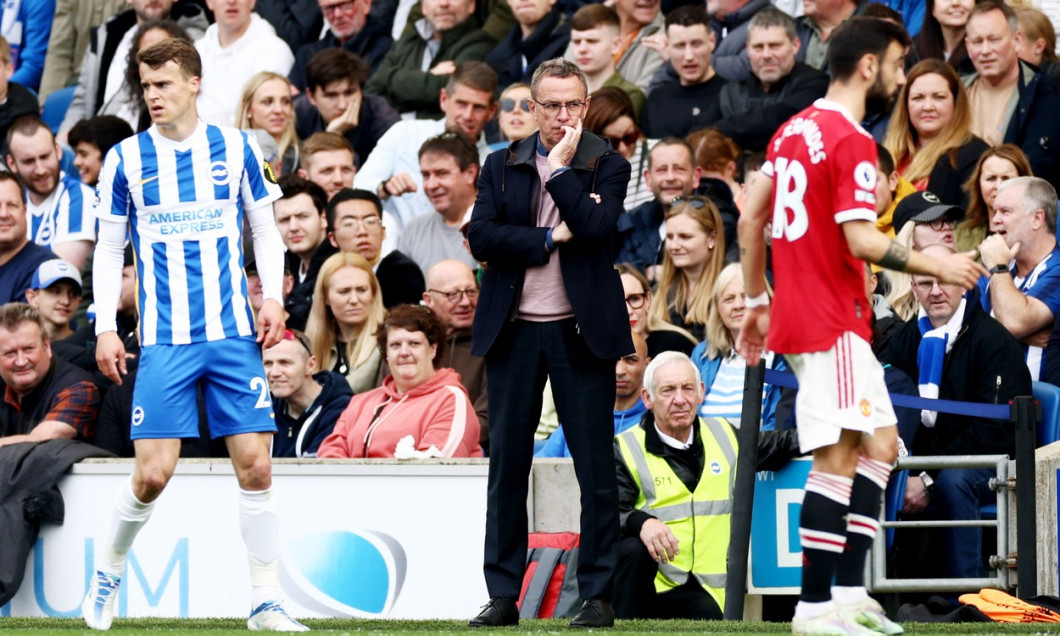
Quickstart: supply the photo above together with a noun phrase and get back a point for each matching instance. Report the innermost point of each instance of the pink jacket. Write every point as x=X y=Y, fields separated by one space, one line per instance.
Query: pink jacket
x=437 y=413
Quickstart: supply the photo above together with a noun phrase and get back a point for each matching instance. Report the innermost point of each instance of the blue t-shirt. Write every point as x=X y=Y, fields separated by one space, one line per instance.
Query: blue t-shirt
x=1043 y=283
x=17 y=274
x=556 y=444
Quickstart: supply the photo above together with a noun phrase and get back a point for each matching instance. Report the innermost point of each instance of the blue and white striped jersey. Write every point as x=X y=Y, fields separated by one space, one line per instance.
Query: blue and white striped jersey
x=66 y=215
x=185 y=203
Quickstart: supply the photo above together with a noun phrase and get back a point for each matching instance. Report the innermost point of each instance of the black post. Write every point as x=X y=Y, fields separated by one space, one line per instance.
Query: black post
x=1027 y=412
x=743 y=491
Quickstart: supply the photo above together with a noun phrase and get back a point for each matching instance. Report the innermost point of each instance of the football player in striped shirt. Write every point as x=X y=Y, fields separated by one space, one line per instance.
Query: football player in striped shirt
x=180 y=191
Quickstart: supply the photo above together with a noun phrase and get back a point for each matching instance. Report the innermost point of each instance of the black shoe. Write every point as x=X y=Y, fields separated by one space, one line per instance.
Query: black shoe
x=499 y=612
x=594 y=613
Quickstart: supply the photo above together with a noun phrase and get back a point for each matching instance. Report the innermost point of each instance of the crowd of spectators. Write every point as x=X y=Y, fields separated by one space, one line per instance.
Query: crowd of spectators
x=376 y=128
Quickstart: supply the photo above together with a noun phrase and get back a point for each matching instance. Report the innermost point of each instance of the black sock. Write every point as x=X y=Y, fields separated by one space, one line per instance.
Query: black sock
x=822 y=532
x=862 y=520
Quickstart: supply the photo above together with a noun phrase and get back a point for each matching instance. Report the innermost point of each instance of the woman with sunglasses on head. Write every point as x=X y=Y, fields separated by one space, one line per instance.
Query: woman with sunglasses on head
x=996 y=166
x=930 y=134
x=659 y=334
x=347 y=310
x=611 y=116
x=693 y=254
x=421 y=410
x=513 y=116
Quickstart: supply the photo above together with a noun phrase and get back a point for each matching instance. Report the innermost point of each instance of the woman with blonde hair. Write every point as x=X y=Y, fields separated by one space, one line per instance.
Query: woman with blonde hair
x=265 y=107
x=346 y=313
x=693 y=254
x=995 y=166
x=721 y=369
x=930 y=133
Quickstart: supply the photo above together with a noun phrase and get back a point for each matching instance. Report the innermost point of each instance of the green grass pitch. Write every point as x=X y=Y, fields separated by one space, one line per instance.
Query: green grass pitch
x=191 y=627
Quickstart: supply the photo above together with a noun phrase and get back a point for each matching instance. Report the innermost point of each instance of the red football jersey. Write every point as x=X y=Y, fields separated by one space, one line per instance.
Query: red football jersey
x=823 y=166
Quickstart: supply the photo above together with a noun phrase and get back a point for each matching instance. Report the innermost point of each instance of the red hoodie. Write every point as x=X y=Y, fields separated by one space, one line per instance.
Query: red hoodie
x=437 y=413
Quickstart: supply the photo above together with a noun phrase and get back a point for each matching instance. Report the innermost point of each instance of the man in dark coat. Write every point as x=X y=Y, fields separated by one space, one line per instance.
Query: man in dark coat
x=552 y=306
x=957 y=352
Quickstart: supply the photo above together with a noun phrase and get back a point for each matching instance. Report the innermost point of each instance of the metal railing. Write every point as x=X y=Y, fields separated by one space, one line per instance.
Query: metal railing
x=879 y=582
x=1023 y=411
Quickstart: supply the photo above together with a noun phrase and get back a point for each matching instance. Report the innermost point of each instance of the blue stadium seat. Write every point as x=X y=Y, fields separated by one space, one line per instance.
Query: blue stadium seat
x=1049 y=428
x=895 y=499
x=55 y=106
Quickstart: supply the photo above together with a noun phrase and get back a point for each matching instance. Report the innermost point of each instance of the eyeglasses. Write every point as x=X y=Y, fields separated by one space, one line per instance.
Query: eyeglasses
x=508 y=104
x=344 y=7
x=696 y=202
x=454 y=296
x=636 y=301
x=299 y=337
x=629 y=138
x=368 y=222
x=552 y=108
x=940 y=224
x=926 y=286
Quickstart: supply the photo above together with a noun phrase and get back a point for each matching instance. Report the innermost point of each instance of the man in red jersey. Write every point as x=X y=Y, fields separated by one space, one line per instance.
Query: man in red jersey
x=820 y=194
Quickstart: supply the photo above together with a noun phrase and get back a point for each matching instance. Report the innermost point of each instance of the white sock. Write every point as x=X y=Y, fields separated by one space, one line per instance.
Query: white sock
x=849 y=595
x=259 y=524
x=813 y=610
x=130 y=514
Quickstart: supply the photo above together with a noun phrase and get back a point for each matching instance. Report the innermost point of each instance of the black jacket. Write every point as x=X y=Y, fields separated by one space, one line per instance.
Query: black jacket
x=30 y=496
x=948 y=176
x=370 y=44
x=300 y=300
x=548 y=40
x=775 y=449
x=376 y=117
x=400 y=279
x=504 y=234
x=985 y=365
x=318 y=420
x=296 y=21
x=20 y=101
x=750 y=116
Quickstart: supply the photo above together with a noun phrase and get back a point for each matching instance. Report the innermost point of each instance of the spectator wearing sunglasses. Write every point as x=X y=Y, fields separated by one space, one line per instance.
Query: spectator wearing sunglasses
x=612 y=117
x=305 y=400
x=540 y=33
x=514 y=118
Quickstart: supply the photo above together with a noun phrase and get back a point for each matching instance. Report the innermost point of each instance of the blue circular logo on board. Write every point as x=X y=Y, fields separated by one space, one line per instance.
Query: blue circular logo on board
x=342 y=573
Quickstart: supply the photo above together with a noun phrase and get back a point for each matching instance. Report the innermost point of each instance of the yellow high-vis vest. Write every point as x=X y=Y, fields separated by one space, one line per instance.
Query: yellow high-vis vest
x=700 y=519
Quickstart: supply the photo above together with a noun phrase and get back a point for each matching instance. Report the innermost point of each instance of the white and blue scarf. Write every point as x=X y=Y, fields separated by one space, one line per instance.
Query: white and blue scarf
x=935 y=344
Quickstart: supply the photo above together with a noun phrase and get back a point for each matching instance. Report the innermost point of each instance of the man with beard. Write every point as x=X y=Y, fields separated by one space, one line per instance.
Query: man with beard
x=59 y=206
x=820 y=238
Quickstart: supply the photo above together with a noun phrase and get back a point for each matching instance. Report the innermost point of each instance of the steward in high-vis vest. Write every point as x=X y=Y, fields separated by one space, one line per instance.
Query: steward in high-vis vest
x=675 y=485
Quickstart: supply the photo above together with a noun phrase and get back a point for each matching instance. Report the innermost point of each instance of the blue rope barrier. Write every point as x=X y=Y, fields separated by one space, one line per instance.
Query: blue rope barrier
x=971 y=409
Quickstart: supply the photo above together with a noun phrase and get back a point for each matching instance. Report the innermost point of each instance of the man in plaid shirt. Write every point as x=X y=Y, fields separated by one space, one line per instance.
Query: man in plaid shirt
x=43 y=397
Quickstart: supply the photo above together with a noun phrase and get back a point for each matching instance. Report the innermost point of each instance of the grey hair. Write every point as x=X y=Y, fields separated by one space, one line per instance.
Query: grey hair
x=1038 y=194
x=557 y=67
x=663 y=359
x=14 y=314
x=773 y=17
